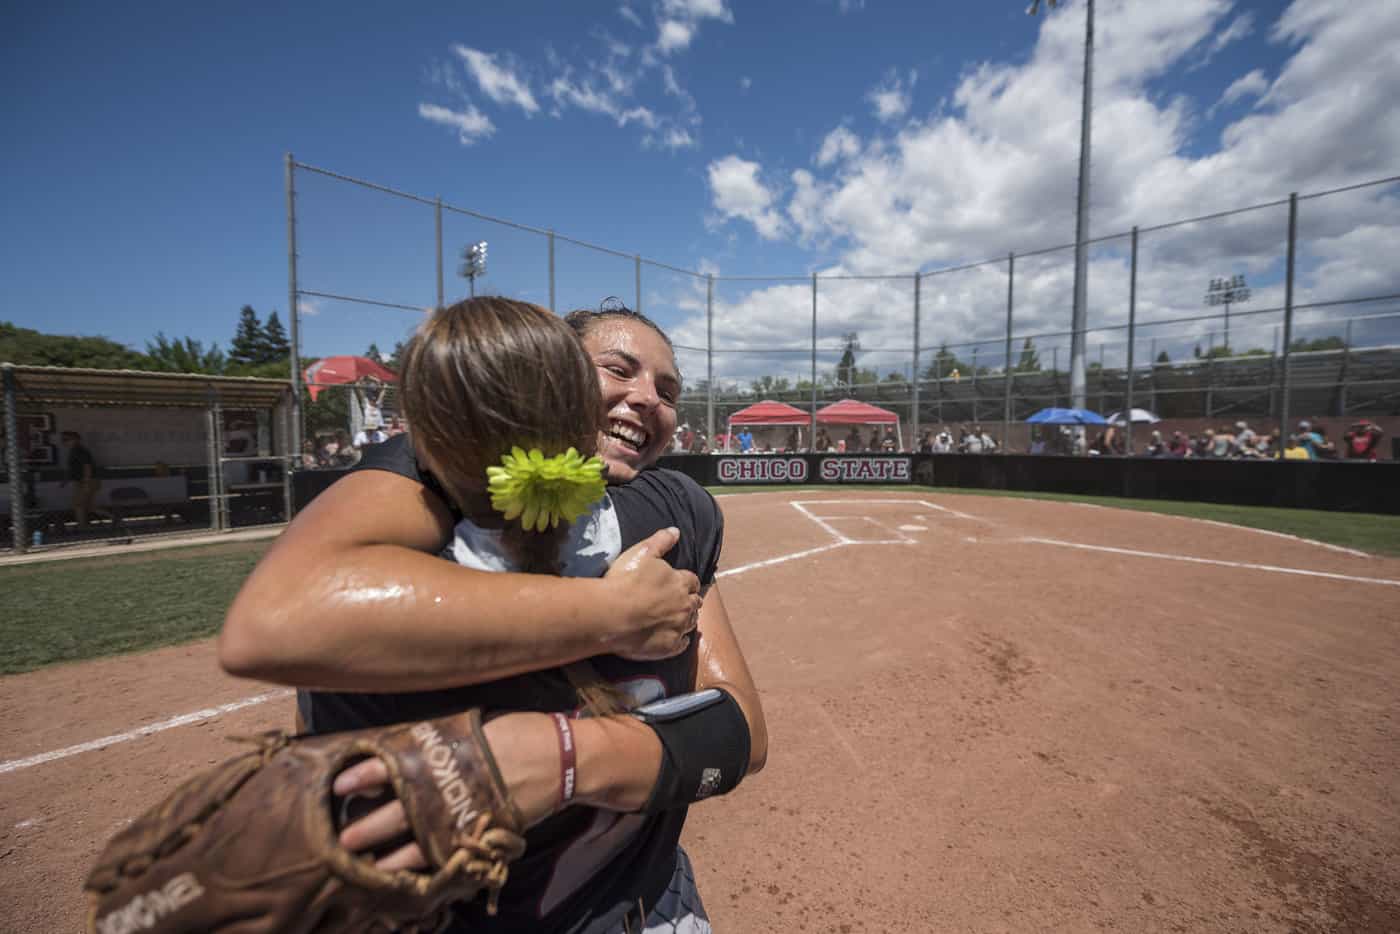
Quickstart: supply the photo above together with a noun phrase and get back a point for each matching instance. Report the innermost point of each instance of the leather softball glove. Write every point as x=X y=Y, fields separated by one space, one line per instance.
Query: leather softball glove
x=251 y=845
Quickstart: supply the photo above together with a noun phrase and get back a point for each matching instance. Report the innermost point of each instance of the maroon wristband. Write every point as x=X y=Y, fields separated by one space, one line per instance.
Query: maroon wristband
x=568 y=759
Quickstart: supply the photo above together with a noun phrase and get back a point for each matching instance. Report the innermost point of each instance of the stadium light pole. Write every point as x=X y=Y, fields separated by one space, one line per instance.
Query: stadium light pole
x=1078 y=388
x=1227 y=292
x=474 y=264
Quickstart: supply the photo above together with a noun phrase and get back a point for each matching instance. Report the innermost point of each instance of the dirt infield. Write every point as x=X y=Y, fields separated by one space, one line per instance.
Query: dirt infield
x=985 y=715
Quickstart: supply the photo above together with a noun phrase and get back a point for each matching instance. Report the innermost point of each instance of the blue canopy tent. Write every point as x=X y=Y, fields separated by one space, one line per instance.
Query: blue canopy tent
x=1054 y=416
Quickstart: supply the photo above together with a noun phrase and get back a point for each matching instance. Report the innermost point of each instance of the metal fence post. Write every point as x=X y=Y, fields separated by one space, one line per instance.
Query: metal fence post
x=1132 y=337
x=1010 y=297
x=812 y=437
x=437 y=226
x=551 y=271
x=914 y=381
x=710 y=359
x=976 y=390
x=1210 y=373
x=637 y=259
x=1152 y=361
x=212 y=416
x=1342 y=376
x=294 y=310
x=1287 y=319
x=18 y=517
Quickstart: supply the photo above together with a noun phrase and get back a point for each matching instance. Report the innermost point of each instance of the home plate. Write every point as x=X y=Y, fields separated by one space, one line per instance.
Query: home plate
x=913 y=528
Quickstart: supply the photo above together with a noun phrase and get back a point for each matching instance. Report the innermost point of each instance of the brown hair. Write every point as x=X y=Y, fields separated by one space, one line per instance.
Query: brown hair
x=583 y=320
x=489 y=374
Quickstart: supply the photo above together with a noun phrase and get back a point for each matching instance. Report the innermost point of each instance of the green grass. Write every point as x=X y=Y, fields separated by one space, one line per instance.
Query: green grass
x=66 y=611
x=1364 y=531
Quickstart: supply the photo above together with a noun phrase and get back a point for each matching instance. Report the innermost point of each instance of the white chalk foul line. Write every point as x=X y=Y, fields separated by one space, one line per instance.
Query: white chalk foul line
x=185 y=719
x=1273 y=569
x=729 y=572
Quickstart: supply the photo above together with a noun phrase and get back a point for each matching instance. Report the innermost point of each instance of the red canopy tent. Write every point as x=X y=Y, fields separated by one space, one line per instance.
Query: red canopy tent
x=766 y=412
x=337 y=371
x=855 y=412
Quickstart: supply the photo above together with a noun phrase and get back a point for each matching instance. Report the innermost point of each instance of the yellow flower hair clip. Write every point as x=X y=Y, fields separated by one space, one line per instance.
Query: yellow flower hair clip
x=542 y=490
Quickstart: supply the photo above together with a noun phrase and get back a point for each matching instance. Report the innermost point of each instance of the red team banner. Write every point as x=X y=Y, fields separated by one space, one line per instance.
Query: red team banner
x=764 y=468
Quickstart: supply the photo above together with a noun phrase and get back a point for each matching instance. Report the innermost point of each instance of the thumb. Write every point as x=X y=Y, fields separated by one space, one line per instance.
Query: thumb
x=661 y=541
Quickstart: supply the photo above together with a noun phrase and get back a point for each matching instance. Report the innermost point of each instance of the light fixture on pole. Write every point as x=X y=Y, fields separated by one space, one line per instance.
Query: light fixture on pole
x=1077 y=384
x=473 y=263
x=1227 y=292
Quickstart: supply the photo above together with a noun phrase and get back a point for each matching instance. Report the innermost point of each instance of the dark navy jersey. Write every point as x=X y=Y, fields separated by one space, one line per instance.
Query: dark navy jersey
x=583 y=868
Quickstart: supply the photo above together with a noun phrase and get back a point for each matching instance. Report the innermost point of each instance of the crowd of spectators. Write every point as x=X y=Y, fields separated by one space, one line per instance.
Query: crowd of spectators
x=338 y=449
x=1361 y=441
x=1309 y=442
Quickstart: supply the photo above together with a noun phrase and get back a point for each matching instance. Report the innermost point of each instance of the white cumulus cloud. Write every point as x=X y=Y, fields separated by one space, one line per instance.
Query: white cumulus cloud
x=839 y=144
x=497 y=78
x=892 y=97
x=471 y=124
x=736 y=191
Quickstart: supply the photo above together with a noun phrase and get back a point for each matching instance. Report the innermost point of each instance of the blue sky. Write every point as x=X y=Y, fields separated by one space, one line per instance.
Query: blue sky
x=146 y=143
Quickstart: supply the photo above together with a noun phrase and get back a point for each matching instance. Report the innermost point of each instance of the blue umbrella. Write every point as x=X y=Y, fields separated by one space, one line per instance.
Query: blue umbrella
x=1053 y=416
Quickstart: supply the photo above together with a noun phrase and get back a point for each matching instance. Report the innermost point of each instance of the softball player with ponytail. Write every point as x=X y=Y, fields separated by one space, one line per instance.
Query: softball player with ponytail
x=606 y=731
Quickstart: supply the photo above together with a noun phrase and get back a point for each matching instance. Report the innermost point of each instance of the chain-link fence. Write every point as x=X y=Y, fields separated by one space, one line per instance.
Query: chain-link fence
x=1267 y=313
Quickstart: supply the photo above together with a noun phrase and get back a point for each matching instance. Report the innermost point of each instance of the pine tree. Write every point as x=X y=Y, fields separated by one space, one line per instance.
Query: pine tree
x=373 y=354
x=1030 y=360
x=395 y=360
x=249 y=341
x=846 y=368
x=276 y=346
x=183 y=356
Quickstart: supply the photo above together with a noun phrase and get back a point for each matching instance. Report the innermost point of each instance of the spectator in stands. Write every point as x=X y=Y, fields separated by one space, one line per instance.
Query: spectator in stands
x=792 y=443
x=989 y=444
x=745 y=441
x=889 y=445
x=1363 y=441
x=823 y=441
x=970 y=442
x=1323 y=448
x=345 y=454
x=1156 y=447
x=372 y=433
x=1307 y=438
x=1180 y=446
x=943 y=442
x=853 y=441
x=1245 y=436
x=308 y=454
x=1038 y=444
x=1203 y=444
x=82 y=473
x=1222 y=444
x=1295 y=450
x=926 y=442
x=396 y=427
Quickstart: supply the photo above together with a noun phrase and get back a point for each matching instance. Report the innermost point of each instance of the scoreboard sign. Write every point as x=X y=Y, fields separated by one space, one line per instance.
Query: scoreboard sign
x=813 y=468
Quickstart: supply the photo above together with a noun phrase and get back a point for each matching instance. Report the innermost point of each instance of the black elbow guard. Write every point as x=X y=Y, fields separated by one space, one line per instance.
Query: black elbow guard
x=705 y=747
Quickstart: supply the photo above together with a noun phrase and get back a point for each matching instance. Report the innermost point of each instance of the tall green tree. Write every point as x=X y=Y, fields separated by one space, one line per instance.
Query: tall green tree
x=276 y=345
x=183 y=356
x=846 y=367
x=395 y=361
x=249 y=344
x=27 y=347
x=1030 y=360
x=374 y=354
